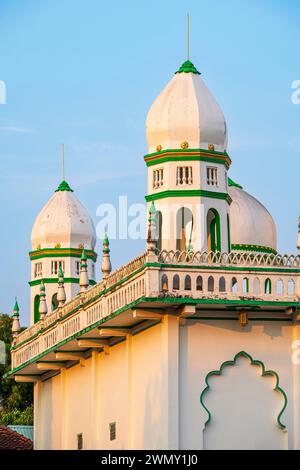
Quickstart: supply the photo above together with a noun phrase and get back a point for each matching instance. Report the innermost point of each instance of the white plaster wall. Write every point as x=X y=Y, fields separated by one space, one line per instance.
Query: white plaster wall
x=204 y=346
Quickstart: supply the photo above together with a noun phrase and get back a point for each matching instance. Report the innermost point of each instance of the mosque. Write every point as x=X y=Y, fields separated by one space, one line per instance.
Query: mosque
x=189 y=345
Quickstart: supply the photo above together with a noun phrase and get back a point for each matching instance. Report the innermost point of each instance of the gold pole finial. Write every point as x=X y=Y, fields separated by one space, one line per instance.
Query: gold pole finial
x=188 y=36
x=63 y=161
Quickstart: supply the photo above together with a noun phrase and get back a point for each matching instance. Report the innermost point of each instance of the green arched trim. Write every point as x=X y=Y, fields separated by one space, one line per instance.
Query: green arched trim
x=215 y=231
x=234 y=184
x=254 y=362
x=256 y=248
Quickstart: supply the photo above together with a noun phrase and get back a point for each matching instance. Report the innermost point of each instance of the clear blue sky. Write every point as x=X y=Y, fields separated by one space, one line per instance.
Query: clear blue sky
x=85 y=73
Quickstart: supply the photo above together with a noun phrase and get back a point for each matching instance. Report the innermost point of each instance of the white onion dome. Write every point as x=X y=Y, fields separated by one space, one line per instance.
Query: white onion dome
x=186 y=114
x=63 y=222
x=252 y=227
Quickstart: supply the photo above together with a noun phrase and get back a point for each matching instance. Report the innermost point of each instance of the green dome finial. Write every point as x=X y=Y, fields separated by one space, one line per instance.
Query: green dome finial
x=188 y=67
x=64 y=186
x=16 y=307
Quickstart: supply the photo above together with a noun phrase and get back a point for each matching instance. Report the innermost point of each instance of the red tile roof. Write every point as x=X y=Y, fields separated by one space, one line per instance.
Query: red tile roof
x=12 y=440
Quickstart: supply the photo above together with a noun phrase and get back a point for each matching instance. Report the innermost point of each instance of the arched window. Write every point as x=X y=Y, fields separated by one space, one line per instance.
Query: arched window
x=213 y=231
x=234 y=285
x=158 y=226
x=199 y=283
x=256 y=286
x=54 y=302
x=36 y=308
x=164 y=283
x=184 y=229
x=187 y=283
x=268 y=286
x=291 y=287
x=176 y=282
x=245 y=285
x=211 y=284
x=222 y=284
x=279 y=287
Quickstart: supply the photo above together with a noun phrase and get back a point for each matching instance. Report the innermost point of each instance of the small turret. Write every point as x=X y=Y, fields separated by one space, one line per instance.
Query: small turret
x=106 y=264
x=83 y=279
x=43 y=304
x=16 y=323
x=61 y=294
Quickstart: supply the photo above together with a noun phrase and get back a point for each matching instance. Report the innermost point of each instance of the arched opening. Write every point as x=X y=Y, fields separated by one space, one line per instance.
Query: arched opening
x=36 y=316
x=211 y=284
x=199 y=283
x=222 y=284
x=187 y=283
x=176 y=282
x=279 y=287
x=184 y=229
x=158 y=225
x=234 y=285
x=291 y=287
x=54 y=302
x=256 y=286
x=245 y=285
x=213 y=231
x=268 y=286
x=164 y=283
x=232 y=425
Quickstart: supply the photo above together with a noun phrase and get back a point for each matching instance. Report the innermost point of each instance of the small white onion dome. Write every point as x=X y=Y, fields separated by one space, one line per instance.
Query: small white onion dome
x=252 y=227
x=186 y=114
x=63 y=222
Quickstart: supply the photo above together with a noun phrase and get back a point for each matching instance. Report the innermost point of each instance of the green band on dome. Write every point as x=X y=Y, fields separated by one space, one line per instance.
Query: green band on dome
x=233 y=183
x=258 y=248
x=64 y=186
x=61 y=253
x=188 y=67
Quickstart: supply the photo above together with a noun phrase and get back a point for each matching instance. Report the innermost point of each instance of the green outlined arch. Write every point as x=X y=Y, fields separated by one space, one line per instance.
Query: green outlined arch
x=254 y=362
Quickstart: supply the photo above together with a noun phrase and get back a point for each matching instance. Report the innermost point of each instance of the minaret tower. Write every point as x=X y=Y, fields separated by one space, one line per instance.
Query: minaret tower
x=187 y=165
x=58 y=236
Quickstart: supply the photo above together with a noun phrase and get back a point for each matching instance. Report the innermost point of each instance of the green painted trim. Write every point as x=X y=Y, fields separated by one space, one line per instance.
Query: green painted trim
x=188 y=193
x=241 y=303
x=264 y=374
x=213 y=267
x=184 y=151
x=256 y=248
x=234 y=184
x=285 y=320
x=190 y=158
x=215 y=231
x=74 y=336
x=85 y=304
x=61 y=253
x=54 y=280
x=188 y=67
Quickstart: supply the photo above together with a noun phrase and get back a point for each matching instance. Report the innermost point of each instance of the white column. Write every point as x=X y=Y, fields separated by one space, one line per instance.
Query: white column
x=170 y=384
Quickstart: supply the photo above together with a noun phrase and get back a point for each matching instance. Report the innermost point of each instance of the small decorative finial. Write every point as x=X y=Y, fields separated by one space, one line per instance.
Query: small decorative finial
x=83 y=278
x=43 y=310
x=61 y=294
x=151 y=238
x=106 y=263
x=15 y=328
